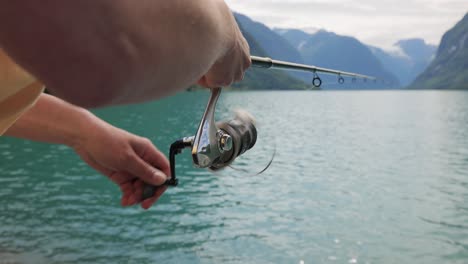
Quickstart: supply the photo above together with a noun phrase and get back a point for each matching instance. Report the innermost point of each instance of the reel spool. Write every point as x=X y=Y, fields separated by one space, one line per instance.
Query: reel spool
x=238 y=136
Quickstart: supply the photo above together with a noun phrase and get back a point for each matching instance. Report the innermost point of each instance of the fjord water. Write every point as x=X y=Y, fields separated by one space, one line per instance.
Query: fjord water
x=359 y=177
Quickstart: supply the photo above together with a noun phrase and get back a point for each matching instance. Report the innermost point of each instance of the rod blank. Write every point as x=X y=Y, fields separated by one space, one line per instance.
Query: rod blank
x=267 y=63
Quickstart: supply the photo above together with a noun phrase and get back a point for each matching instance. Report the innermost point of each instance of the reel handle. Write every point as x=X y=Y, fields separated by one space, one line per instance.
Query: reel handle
x=176 y=148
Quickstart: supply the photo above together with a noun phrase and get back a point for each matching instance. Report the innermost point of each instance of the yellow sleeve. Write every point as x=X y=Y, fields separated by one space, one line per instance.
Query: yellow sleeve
x=18 y=91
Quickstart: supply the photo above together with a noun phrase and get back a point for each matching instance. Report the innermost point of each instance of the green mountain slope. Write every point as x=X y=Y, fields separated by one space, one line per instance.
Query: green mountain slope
x=449 y=70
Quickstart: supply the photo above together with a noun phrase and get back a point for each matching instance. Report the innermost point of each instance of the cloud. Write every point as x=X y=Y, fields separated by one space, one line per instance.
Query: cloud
x=381 y=23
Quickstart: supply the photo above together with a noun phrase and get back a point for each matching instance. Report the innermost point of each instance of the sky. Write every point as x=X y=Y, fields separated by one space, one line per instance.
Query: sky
x=379 y=23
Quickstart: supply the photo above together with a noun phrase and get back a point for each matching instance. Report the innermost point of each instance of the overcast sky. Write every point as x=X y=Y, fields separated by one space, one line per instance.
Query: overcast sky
x=377 y=22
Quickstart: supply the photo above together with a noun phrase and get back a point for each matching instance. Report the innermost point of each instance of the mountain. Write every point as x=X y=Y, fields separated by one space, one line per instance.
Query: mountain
x=418 y=50
x=295 y=37
x=329 y=50
x=273 y=45
x=449 y=69
x=257 y=35
x=409 y=58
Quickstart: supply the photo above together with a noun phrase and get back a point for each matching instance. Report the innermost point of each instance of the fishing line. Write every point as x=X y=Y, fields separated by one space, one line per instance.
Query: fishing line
x=262 y=171
x=216 y=145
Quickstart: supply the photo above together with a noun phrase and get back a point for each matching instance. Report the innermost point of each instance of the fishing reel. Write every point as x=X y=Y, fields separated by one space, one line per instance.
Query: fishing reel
x=215 y=145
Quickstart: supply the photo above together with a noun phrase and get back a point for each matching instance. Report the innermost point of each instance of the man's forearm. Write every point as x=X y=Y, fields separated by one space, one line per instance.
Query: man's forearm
x=128 y=160
x=102 y=52
x=53 y=120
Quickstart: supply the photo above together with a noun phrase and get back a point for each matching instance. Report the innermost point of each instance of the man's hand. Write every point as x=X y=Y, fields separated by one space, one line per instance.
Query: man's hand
x=230 y=66
x=128 y=160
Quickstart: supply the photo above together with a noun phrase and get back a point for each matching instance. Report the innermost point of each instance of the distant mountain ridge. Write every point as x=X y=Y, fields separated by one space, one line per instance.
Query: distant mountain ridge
x=329 y=50
x=412 y=59
x=297 y=38
x=449 y=69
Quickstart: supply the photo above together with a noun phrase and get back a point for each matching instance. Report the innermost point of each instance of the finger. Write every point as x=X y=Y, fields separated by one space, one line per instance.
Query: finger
x=246 y=47
x=146 y=204
x=239 y=74
x=226 y=79
x=220 y=75
x=247 y=62
x=157 y=159
x=207 y=82
x=136 y=195
x=144 y=171
x=126 y=187
x=121 y=178
x=130 y=196
x=127 y=191
x=126 y=197
x=132 y=200
x=243 y=76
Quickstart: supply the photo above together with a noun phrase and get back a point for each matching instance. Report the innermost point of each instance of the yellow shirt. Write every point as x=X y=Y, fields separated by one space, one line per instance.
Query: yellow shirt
x=18 y=91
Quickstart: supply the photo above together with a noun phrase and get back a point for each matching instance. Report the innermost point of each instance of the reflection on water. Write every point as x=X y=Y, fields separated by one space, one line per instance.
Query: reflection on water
x=359 y=177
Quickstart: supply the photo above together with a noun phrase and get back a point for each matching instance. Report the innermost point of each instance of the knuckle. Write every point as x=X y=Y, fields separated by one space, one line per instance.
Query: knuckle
x=248 y=62
x=146 y=141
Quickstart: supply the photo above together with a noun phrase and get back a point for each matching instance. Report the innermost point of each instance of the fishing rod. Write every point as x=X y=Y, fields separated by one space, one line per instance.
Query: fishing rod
x=217 y=144
x=268 y=63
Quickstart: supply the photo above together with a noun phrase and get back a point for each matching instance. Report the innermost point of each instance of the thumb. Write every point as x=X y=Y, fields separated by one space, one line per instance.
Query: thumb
x=147 y=173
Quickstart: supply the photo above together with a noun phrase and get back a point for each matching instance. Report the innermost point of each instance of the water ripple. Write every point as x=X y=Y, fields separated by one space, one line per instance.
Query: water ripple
x=365 y=177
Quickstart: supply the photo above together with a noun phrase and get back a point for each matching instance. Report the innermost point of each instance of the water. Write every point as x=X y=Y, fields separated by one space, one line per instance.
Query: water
x=359 y=177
